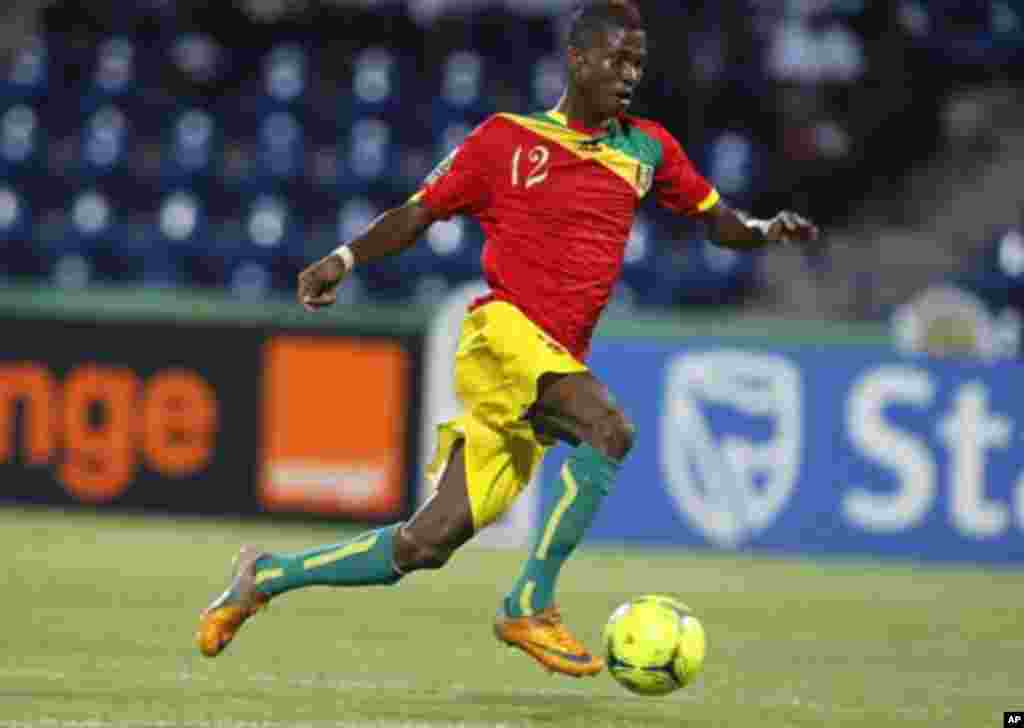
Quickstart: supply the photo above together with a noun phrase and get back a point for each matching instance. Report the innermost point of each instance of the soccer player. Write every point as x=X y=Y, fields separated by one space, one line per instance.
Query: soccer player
x=555 y=193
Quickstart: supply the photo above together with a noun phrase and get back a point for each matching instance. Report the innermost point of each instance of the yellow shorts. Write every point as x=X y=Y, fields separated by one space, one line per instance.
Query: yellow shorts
x=501 y=357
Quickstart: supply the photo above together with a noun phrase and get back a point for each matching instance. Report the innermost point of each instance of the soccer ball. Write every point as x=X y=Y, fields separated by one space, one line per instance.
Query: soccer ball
x=654 y=645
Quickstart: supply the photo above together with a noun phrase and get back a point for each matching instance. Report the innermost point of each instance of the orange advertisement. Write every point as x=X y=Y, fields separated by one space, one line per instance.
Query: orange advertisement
x=167 y=422
x=334 y=426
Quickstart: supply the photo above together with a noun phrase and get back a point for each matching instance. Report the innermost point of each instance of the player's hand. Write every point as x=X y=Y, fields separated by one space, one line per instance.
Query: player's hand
x=789 y=227
x=319 y=282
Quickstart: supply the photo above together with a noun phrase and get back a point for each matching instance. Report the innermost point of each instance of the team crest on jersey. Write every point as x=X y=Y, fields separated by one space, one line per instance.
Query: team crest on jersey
x=441 y=169
x=644 y=178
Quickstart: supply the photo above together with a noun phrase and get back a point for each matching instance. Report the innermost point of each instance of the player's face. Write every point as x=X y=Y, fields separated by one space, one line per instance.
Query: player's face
x=608 y=73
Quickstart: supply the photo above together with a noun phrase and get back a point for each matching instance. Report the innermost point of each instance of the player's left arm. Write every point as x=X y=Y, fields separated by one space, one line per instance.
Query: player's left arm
x=732 y=228
x=680 y=188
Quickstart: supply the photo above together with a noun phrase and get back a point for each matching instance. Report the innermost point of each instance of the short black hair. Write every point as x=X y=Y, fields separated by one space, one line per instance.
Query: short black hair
x=593 y=17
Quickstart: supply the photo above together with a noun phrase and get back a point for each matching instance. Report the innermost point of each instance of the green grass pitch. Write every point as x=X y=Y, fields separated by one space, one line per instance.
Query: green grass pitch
x=98 y=614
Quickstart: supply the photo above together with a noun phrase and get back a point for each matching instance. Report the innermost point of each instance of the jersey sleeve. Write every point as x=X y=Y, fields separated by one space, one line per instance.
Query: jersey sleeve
x=678 y=186
x=460 y=184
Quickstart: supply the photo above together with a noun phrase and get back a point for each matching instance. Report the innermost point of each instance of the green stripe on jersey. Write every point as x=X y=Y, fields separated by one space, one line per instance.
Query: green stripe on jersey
x=634 y=171
x=630 y=140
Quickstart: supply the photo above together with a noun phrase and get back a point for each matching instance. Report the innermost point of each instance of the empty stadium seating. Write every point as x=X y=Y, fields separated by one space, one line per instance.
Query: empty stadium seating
x=117 y=164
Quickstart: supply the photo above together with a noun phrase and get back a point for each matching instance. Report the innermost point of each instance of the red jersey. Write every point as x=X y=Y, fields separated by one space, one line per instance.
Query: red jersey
x=556 y=202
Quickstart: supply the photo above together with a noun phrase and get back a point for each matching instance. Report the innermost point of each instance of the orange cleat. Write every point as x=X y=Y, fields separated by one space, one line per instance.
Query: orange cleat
x=544 y=638
x=220 y=621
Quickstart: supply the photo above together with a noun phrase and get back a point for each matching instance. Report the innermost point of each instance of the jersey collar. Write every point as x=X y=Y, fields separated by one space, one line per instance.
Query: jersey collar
x=613 y=127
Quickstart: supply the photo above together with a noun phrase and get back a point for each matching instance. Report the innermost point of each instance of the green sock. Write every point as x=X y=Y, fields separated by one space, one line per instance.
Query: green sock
x=586 y=478
x=363 y=561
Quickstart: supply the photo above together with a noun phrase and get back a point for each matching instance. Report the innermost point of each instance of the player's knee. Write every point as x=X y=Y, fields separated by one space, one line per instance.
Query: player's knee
x=431 y=557
x=623 y=437
x=412 y=554
x=613 y=434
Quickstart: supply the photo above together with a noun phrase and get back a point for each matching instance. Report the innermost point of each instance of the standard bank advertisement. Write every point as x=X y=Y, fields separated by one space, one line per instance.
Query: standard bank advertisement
x=815 y=450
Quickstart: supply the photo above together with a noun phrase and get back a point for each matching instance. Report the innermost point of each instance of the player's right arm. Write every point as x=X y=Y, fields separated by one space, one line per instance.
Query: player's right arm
x=460 y=185
x=390 y=234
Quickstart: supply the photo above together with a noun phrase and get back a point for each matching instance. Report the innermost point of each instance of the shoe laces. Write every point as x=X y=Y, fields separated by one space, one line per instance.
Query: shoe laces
x=552 y=617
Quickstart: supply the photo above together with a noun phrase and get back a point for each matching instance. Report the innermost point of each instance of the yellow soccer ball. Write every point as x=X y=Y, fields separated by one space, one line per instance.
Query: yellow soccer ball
x=654 y=645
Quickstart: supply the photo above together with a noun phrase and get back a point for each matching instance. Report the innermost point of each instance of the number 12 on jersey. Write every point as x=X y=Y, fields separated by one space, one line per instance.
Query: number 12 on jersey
x=537 y=161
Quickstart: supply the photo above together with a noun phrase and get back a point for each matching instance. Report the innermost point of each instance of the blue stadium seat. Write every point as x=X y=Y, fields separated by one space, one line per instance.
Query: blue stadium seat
x=181 y=226
x=15 y=214
x=282 y=85
x=460 y=99
x=264 y=251
x=115 y=79
x=463 y=80
x=734 y=163
x=120 y=79
x=198 y=57
x=22 y=143
x=453 y=250
x=281 y=149
x=191 y=150
x=63 y=263
x=450 y=137
x=251 y=280
x=18 y=254
x=375 y=91
x=28 y=77
x=546 y=82
x=104 y=145
x=79 y=247
x=372 y=157
x=285 y=78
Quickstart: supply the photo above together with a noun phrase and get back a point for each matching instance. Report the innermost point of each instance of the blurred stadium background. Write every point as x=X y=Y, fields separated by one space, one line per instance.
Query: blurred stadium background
x=168 y=166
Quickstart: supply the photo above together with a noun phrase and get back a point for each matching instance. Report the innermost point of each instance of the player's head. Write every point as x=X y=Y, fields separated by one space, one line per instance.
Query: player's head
x=607 y=54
